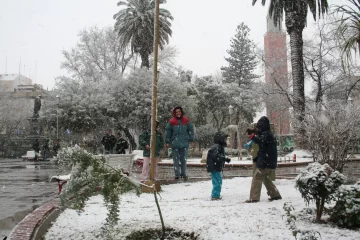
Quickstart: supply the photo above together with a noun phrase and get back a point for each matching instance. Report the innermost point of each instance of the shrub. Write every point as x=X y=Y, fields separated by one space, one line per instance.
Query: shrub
x=299 y=234
x=346 y=212
x=318 y=183
x=89 y=174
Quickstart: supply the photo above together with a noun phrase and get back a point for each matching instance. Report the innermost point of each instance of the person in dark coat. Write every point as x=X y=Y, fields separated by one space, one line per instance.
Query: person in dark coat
x=36 y=146
x=121 y=144
x=46 y=149
x=215 y=162
x=266 y=162
x=179 y=134
x=108 y=141
x=144 y=144
x=56 y=147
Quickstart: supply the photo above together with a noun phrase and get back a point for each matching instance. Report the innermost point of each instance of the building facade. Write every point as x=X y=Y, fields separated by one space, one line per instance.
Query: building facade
x=276 y=77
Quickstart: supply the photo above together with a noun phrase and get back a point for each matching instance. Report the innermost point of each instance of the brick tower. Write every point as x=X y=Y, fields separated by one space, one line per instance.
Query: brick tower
x=276 y=77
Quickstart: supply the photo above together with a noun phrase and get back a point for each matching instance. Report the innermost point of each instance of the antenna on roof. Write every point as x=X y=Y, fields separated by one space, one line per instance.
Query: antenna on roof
x=6 y=66
x=35 y=72
x=19 y=70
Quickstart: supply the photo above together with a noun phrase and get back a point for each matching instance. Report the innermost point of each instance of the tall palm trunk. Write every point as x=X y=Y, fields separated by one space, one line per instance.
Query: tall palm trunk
x=144 y=58
x=295 y=24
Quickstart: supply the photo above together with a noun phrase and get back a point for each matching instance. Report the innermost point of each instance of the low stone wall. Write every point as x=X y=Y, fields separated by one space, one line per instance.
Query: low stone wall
x=34 y=225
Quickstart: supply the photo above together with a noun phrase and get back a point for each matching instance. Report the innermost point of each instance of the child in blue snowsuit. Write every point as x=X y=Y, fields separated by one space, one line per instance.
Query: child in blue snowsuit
x=215 y=162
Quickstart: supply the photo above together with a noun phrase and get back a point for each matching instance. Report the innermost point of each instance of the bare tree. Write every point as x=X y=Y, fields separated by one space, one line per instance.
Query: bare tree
x=331 y=132
x=97 y=56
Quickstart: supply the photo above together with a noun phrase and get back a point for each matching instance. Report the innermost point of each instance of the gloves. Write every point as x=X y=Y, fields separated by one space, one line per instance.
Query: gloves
x=227 y=160
x=248 y=144
x=252 y=136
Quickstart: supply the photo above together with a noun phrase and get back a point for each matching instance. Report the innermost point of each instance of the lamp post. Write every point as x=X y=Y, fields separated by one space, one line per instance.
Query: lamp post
x=152 y=181
x=231 y=111
x=57 y=117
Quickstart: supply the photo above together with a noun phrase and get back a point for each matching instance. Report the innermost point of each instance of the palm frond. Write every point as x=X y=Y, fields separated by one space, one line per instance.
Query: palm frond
x=349 y=28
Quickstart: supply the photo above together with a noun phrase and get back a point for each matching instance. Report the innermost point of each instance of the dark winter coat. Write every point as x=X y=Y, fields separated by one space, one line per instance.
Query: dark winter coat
x=56 y=147
x=145 y=139
x=179 y=131
x=267 y=154
x=216 y=155
x=120 y=146
x=36 y=146
x=108 y=141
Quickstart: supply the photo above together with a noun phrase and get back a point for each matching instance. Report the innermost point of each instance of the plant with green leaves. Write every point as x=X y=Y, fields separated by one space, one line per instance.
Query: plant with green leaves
x=349 y=28
x=318 y=183
x=135 y=27
x=346 y=212
x=91 y=175
x=298 y=233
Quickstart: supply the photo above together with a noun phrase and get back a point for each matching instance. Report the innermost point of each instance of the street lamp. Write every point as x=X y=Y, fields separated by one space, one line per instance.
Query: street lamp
x=57 y=117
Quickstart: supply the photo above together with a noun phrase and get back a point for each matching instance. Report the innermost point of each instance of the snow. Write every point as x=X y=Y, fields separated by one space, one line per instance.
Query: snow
x=187 y=206
x=300 y=154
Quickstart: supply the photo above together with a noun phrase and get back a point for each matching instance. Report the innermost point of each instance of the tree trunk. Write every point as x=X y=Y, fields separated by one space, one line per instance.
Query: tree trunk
x=296 y=45
x=144 y=59
x=319 y=208
x=129 y=136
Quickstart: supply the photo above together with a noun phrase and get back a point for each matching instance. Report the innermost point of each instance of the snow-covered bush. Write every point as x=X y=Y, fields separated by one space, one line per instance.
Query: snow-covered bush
x=317 y=183
x=63 y=160
x=92 y=175
x=205 y=135
x=346 y=212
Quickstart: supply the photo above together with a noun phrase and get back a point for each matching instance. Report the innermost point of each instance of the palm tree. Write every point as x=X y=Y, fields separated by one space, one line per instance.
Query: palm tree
x=295 y=22
x=135 y=27
x=349 y=28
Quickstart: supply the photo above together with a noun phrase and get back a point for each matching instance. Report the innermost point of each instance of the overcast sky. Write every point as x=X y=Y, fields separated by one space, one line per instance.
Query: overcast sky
x=36 y=31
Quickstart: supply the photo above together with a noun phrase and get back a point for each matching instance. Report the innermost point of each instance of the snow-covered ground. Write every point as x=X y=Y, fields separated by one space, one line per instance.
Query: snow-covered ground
x=187 y=206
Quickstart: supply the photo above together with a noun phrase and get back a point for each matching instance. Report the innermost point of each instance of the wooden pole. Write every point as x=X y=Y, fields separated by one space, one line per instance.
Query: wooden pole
x=154 y=94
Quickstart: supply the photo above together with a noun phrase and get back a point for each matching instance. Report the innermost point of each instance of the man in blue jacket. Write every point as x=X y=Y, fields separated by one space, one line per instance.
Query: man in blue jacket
x=179 y=133
x=266 y=162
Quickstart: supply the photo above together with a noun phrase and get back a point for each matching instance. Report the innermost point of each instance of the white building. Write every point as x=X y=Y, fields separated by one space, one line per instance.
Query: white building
x=11 y=82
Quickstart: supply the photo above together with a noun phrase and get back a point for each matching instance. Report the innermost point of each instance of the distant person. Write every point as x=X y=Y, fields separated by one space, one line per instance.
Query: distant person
x=215 y=162
x=144 y=143
x=266 y=162
x=179 y=133
x=121 y=144
x=108 y=141
x=56 y=146
x=45 y=150
x=36 y=146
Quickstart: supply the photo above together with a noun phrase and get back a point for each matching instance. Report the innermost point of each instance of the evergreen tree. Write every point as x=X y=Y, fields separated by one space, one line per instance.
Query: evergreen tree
x=242 y=60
